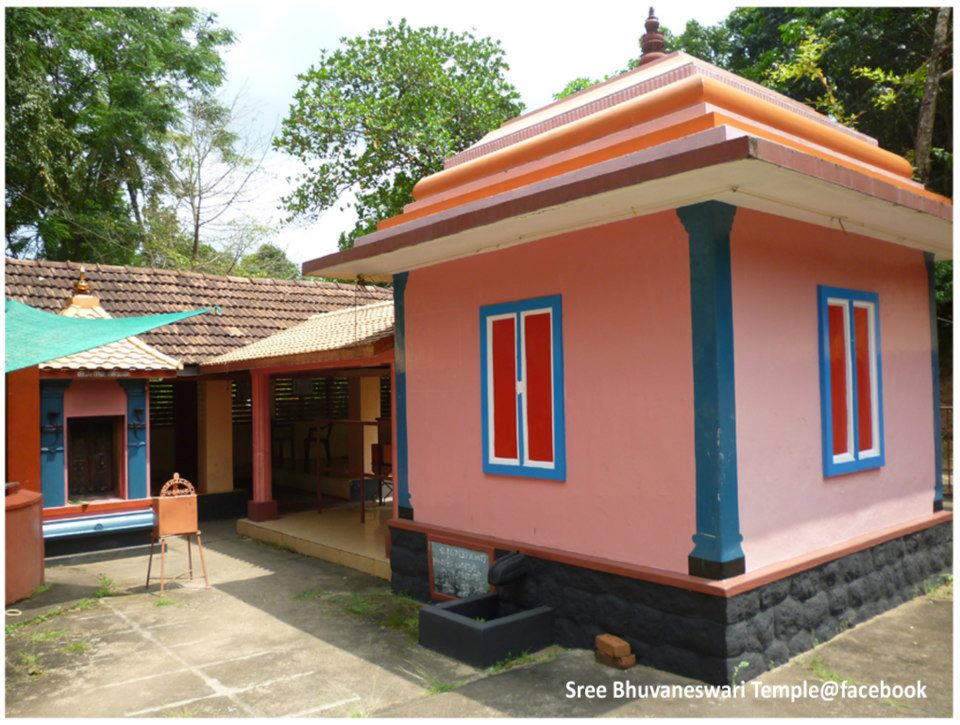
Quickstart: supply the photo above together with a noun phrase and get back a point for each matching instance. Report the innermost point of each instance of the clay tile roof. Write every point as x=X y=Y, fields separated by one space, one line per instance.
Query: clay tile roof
x=348 y=328
x=251 y=308
x=131 y=353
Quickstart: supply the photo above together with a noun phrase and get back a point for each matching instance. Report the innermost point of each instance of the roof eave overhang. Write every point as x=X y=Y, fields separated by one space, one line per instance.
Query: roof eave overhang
x=374 y=353
x=721 y=164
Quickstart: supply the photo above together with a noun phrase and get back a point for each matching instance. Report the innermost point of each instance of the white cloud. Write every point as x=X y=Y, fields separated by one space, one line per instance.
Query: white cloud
x=546 y=46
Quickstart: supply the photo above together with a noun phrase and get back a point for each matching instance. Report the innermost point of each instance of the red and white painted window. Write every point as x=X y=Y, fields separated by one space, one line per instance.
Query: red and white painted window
x=522 y=388
x=850 y=377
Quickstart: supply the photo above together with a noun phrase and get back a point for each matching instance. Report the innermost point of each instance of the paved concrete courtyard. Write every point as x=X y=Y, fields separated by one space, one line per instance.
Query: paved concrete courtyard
x=279 y=634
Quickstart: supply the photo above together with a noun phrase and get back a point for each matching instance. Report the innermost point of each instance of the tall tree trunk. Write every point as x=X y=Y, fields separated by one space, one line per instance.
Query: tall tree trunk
x=928 y=106
x=135 y=205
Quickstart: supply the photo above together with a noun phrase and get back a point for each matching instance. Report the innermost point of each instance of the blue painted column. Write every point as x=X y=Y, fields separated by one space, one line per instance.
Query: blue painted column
x=136 y=437
x=935 y=369
x=404 y=506
x=716 y=553
x=53 y=433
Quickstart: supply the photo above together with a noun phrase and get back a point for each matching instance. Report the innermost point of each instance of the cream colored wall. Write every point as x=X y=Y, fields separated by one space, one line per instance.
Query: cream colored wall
x=215 y=425
x=369 y=410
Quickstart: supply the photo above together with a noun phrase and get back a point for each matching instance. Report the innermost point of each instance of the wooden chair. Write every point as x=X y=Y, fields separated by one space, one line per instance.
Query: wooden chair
x=175 y=514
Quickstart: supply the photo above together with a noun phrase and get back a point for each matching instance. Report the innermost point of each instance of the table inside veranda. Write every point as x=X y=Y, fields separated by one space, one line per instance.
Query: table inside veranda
x=352 y=472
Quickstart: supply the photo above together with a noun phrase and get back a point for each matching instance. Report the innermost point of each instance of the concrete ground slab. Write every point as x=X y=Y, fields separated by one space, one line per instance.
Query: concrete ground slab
x=281 y=634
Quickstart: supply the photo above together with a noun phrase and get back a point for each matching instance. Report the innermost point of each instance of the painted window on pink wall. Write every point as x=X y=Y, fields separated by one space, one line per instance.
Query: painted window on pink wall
x=522 y=388
x=850 y=380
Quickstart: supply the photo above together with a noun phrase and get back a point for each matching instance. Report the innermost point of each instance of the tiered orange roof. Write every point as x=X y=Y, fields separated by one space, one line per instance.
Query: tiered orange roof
x=674 y=131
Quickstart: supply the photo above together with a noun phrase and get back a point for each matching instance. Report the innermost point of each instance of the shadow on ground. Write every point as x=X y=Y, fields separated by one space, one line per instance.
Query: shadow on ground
x=282 y=634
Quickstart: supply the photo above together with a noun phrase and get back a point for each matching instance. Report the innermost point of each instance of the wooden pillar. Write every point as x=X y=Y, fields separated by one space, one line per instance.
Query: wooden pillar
x=369 y=410
x=262 y=507
x=354 y=432
x=216 y=436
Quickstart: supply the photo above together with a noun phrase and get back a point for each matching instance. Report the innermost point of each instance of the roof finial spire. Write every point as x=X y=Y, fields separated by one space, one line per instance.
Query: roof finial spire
x=652 y=43
x=82 y=287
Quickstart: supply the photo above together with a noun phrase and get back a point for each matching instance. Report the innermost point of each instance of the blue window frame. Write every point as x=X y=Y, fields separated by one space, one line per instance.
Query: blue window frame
x=851 y=381
x=521 y=388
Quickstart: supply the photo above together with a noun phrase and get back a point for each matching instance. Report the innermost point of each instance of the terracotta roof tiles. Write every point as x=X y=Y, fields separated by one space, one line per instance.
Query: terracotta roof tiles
x=251 y=308
x=349 y=328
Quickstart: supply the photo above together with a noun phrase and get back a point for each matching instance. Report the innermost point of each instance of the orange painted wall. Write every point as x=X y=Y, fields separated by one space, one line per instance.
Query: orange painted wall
x=23 y=428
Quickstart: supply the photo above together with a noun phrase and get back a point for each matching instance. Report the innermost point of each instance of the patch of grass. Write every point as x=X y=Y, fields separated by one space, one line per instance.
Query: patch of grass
x=310 y=594
x=76 y=648
x=50 y=614
x=434 y=685
x=939 y=588
x=39 y=619
x=51 y=635
x=43 y=588
x=358 y=713
x=363 y=605
x=105 y=588
x=511 y=661
x=163 y=602
x=389 y=610
x=822 y=671
x=741 y=665
x=29 y=665
x=438 y=687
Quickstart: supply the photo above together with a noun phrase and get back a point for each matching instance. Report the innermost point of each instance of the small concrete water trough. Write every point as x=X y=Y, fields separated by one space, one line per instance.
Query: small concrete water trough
x=482 y=630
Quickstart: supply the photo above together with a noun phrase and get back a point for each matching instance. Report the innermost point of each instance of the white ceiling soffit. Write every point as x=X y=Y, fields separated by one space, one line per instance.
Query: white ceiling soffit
x=748 y=183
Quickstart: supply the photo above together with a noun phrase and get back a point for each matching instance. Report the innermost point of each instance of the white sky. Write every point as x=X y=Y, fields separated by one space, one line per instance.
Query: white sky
x=546 y=46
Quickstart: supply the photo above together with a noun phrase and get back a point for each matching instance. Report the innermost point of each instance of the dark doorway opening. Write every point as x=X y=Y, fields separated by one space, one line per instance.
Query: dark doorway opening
x=93 y=457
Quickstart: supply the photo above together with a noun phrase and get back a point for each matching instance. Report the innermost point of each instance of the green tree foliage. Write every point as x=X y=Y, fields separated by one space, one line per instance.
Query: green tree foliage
x=384 y=110
x=865 y=66
x=268 y=261
x=91 y=95
x=575 y=86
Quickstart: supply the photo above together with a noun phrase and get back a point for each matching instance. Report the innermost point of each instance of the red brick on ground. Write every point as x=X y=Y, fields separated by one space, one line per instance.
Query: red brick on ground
x=612 y=645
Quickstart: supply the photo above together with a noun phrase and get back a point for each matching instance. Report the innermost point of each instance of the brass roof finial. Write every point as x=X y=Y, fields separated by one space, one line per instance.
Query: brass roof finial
x=82 y=287
x=652 y=44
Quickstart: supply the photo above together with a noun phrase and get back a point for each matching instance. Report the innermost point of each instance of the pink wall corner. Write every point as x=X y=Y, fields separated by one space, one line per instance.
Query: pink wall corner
x=787 y=507
x=89 y=398
x=629 y=493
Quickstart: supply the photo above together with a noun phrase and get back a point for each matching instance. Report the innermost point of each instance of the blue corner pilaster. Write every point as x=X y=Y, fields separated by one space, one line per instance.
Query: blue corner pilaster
x=405 y=509
x=136 y=437
x=53 y=433
x=716 y=553
x=935 y=368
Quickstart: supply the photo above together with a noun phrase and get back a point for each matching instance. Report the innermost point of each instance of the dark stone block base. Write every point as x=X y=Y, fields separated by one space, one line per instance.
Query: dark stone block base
x=227 y=505
x=704 y=636
x=95 y=542
x=477 y=630
x=715 y=569
x=410 y=574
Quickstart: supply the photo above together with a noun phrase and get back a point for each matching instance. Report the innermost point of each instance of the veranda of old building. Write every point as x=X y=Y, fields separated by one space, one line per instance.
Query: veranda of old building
x=308 y=413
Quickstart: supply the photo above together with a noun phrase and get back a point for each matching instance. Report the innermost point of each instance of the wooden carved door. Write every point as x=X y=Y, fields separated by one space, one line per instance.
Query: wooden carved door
x=91 y=454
